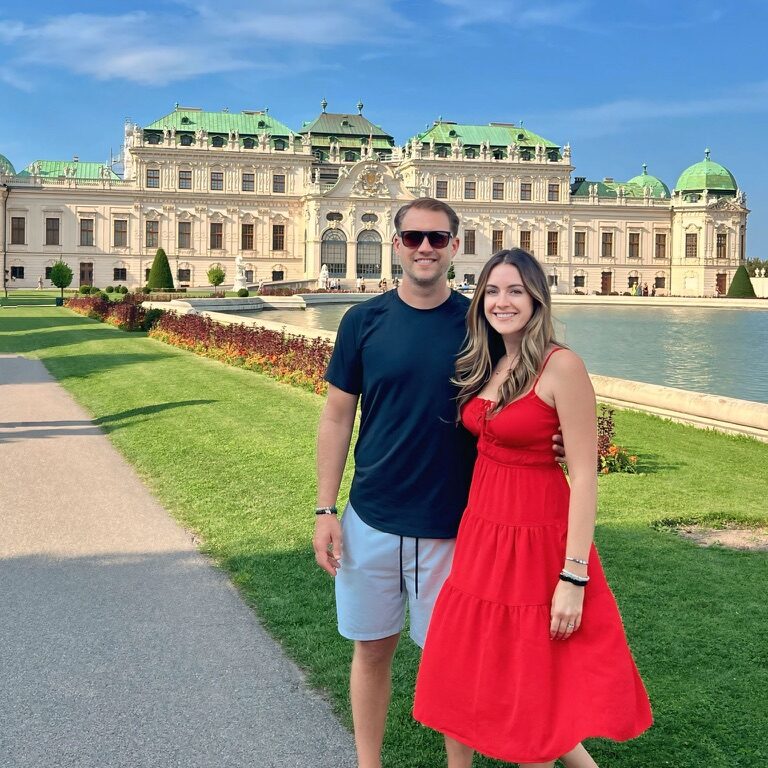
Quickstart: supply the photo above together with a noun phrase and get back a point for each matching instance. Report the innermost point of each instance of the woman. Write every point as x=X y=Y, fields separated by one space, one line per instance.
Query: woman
x=525 y=654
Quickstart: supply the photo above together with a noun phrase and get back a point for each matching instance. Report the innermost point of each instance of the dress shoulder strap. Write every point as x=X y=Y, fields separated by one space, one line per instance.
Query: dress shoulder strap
x=544 y=364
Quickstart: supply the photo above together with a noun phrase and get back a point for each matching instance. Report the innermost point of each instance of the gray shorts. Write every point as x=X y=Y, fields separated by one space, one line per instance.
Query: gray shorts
x=380 y=574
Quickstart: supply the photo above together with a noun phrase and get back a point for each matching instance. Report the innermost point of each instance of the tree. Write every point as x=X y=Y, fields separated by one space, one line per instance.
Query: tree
x=61 y=276
x=216 y=276
x=160 y=277
x=451 y=272
x=741 y=285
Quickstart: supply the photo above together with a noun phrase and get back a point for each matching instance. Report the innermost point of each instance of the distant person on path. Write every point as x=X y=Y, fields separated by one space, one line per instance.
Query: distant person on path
x=40 y=283
x=359 y=284
x=526 y=655
x=412 y=461
x=645 y=289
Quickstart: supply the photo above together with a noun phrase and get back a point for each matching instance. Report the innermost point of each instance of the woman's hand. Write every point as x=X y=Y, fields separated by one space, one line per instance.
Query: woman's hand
x=567 y=605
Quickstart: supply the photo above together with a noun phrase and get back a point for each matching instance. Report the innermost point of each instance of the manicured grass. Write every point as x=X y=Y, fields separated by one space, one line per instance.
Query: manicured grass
x=231 y=455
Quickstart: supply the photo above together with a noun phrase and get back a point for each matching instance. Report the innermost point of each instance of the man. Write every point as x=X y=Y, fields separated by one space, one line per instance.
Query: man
x=395 y=352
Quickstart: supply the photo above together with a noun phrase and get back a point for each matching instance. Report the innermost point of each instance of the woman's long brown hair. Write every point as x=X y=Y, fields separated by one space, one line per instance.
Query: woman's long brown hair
x=484 y=347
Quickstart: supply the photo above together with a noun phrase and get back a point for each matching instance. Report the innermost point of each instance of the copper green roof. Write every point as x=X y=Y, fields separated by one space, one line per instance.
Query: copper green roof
x=496 y=134
x=54 y=169
x=657 y=186
x=610 y=189
x=248 y=123
x=344 y=127
x=706 y=175
x=6 y=166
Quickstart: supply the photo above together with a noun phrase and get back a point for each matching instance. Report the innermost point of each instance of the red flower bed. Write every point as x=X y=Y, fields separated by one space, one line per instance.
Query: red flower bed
x=127 y=314
x=296 y=360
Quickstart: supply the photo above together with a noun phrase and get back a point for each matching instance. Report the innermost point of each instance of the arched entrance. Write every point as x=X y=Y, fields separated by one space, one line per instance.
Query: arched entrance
x=333 y=252
x=368 y=264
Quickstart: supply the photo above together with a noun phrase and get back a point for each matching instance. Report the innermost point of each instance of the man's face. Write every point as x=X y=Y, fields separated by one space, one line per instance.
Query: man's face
x=423 y=264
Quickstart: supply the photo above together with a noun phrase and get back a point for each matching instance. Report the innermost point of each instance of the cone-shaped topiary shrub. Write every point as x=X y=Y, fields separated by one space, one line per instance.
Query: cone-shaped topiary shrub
x=741 y=285
x=160 y=277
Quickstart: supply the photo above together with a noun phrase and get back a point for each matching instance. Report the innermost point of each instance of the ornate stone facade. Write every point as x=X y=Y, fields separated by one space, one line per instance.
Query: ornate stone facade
x=212 y=187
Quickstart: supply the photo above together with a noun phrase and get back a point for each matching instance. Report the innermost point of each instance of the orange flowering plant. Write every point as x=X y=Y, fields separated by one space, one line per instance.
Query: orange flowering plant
x=610 y=456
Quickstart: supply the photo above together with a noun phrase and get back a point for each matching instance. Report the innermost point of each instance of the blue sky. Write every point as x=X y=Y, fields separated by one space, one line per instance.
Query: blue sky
x=624 y=82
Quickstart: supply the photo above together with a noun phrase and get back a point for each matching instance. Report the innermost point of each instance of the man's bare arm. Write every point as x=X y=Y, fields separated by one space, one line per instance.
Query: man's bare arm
x=333 y=437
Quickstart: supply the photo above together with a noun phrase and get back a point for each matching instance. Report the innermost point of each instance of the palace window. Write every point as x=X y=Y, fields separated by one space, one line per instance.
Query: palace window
x=246 y=237
x=217 y=180
x=553 y=193
x=498 y=190
x=661 y=246
x=526 y=189
x=278 y=237
x=350 y=156
x=153 y=138
x=525 y=240
x=469 y=278
x=217 y=141
x=186 y=140
x=120 y=233
x=634 y=245
x=469 y=241
x=247 y=182
x=552 y=243
x=470 y=190
x=18 y=230
x=17 y=273
x=441 y=152
x=185 y=179
x=146 y=273
x=470 y=153
x=217 y=235
x=606 y=250
x=441 y=189
x=579 y=281
x=333 y=252
x=660 y=282
x=497 y=240
x=184 y=275
x=86 y=231
x=278 y=183
x=280 y=145
x=249 y=143
x=498 y=154
x=185 y=234
x=580 y=244
x=48 y=272
x=721 y=248
x=152 y=234
x=52 y=233
x=153 y=178
x=120 y=273
x=691 y=245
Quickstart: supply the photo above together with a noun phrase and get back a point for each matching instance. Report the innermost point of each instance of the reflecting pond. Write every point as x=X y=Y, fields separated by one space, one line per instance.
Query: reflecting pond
x=719 y=351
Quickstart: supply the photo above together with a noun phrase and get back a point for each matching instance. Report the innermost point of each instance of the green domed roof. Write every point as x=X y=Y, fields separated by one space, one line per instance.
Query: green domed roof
x=6 y=166
x=658 y=187
x=706 y=175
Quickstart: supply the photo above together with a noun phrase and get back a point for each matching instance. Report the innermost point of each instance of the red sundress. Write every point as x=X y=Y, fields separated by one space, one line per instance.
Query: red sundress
x=490 y=677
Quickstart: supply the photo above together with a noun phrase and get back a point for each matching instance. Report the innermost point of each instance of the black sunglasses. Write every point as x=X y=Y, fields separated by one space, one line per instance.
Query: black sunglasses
x=413 y=238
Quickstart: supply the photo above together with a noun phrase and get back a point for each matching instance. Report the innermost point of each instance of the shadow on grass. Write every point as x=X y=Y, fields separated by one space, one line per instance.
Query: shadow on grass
x=653 y=463
x=13 y=431
x=109 y=422
x=83 y=366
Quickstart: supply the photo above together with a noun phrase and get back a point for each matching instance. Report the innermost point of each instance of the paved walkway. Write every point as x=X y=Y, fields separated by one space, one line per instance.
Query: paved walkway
x=120 y=645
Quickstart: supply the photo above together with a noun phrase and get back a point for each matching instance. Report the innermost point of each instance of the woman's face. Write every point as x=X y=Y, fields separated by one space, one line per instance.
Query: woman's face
x=507 y=304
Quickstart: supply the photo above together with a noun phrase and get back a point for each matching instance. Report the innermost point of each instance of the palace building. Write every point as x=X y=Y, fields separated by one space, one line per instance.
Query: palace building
x=210 y=186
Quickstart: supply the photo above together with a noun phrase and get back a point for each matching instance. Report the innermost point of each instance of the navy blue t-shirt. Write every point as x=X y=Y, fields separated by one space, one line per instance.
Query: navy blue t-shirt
x=413 y=463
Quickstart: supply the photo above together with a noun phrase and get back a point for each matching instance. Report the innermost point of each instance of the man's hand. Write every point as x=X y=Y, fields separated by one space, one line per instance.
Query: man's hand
x=558 y=448
x=327 y=543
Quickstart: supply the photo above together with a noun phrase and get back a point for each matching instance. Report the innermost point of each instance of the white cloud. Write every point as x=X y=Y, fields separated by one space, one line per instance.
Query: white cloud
x=611 y=117
x=465 y=13
x=195 y=37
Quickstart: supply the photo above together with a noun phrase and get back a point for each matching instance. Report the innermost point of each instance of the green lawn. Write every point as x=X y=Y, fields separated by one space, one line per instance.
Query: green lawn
x=230 y=453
